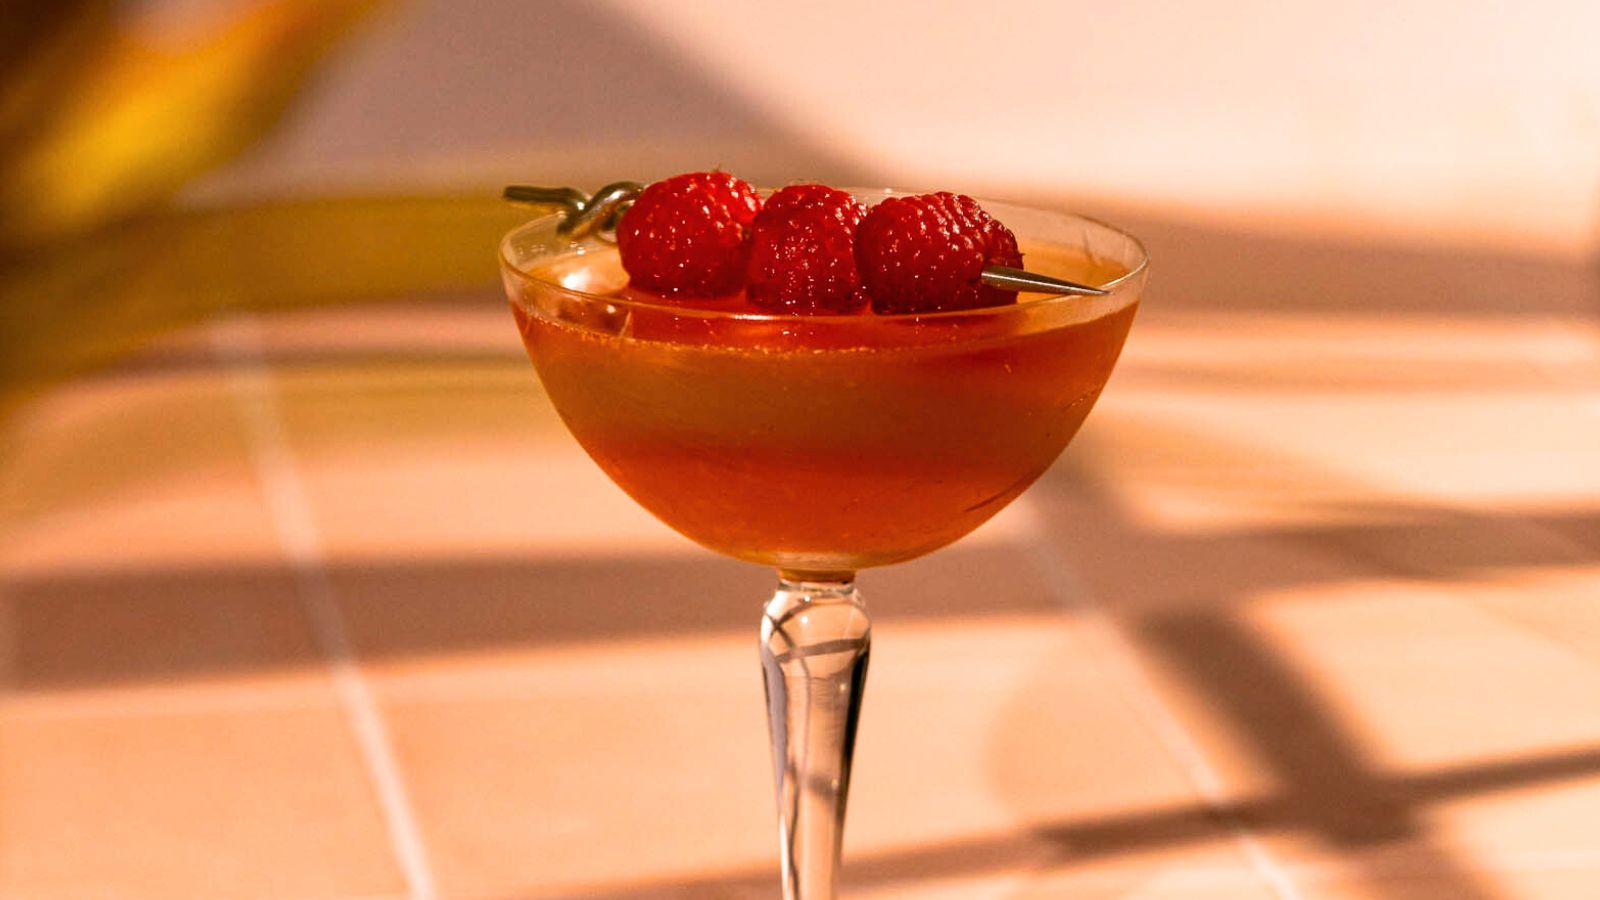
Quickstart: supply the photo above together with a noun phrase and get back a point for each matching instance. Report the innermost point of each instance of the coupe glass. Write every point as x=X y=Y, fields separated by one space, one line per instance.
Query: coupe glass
x=822 y=445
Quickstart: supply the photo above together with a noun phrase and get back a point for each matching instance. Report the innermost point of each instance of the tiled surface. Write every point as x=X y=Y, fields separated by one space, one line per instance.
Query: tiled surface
x=254 y=797
x=328 y=606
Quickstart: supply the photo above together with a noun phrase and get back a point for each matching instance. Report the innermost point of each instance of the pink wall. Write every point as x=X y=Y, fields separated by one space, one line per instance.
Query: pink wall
x=1443 y=121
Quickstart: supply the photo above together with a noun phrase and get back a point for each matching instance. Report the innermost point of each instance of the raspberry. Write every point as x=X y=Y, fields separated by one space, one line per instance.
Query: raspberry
x=926 y=253
x=802 y=253
x=688 y=235
x=812 y=194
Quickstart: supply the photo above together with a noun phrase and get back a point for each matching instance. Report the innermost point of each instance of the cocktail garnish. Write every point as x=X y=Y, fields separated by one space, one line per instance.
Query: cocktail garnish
x=811 y=251
x=689 y=235
x=585 y=214
x=802 y=254
x=1011 y=279
x=926 y=254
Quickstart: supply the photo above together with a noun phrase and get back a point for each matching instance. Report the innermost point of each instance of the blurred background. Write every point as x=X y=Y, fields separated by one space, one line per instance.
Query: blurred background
x=304 y=591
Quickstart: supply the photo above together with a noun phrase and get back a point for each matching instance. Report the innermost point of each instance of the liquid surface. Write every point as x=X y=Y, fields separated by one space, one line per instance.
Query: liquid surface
x=827 y=446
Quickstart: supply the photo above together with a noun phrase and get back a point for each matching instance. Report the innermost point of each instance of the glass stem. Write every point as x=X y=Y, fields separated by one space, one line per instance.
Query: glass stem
x=815 y=639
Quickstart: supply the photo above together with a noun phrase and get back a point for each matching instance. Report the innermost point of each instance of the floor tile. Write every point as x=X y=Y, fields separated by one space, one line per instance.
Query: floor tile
x=261 y=803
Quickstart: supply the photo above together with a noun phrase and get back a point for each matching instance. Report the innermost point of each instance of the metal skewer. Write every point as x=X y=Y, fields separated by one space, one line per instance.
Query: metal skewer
x=585 y=213
x=588 y=213
x=1007 y=278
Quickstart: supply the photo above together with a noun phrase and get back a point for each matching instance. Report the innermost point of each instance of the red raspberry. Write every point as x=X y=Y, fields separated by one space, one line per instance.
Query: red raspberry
x=689 y=235
x=810 y=195
x=925 y=254
x=802 y=253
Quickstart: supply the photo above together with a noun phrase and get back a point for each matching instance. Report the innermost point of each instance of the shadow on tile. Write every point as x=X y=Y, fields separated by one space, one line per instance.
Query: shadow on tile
x=94 y=628
x=1181 y=596
x=1177 y=593
x=89 y=627
x=1050 y=845
x=1218 y=268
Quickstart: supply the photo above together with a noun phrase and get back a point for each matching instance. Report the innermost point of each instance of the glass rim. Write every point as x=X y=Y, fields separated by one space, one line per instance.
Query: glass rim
x=1115 y=286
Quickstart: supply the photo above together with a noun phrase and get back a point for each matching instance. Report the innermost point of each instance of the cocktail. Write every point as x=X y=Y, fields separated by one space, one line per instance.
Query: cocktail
x=824 y=426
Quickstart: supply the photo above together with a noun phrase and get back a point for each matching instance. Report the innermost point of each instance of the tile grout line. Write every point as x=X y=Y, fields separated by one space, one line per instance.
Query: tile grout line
x=1587 y=405
x=1132 y=680
x=236 y=342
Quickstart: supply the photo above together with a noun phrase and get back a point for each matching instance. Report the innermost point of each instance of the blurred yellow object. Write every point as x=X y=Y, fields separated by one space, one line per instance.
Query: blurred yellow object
x=99 y=120
x=91 y=301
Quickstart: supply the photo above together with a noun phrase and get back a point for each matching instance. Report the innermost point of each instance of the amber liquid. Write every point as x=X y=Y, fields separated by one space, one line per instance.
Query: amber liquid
x=832 y=446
